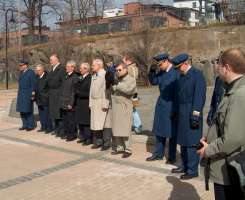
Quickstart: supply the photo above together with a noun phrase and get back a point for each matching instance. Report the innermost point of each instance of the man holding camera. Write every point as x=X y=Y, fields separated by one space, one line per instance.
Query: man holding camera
x=226 y=137
x=191 y=96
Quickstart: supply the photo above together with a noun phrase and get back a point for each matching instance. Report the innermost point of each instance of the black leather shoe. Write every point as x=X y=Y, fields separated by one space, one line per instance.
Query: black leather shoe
x=153 y=158
x=126 y=155
x=80 y=141
x=48 y=131
x=178 y=170
x=95 y=146
x=188 y=176
x=69 y=139
x=87 y=142
x=41 y=130
x=30 y=129
x=105 y=148
x=170 y=162
x=22 y=128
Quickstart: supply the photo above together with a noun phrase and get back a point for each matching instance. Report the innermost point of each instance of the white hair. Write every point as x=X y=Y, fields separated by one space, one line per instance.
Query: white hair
x=72 y=63
x=87 y=65
x=99 y=62
x=40 y=66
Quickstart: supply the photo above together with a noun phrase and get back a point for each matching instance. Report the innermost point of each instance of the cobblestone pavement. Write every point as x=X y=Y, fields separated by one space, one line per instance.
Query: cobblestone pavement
x=38 y=166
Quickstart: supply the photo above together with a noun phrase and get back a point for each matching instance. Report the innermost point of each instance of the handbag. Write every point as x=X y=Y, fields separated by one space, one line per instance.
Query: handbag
x=236 y=169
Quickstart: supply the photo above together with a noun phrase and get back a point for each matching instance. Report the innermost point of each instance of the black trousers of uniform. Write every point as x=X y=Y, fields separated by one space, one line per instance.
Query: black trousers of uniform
x=227 y=192
x=69 y=124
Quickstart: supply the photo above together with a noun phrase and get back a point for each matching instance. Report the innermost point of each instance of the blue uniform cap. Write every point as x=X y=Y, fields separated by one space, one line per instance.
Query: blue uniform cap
x=160 y=57
x=23 y=62
x=179 y=59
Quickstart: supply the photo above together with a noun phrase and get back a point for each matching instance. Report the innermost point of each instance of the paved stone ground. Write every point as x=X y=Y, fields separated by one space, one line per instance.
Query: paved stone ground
x=37 y=166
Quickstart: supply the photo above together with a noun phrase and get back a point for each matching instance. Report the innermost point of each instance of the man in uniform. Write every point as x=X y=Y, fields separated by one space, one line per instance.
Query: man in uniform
x=25 y=98
x=191 y=96
x=55 y=80
x=164 y=125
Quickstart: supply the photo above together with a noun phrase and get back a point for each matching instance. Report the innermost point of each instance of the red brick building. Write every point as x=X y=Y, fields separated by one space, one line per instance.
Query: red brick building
x=136 y=17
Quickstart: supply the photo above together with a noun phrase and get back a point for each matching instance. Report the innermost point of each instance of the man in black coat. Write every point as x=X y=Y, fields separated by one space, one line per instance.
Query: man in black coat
x=42 y=100
x=67 y=102
x=82 y=111
x=55 y=80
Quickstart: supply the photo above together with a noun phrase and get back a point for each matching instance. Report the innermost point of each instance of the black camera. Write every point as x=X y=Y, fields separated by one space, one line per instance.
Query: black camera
x=198 y=146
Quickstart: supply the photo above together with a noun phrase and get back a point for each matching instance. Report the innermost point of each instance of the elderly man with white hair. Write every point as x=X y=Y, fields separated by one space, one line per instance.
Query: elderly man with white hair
x=82 y=111
x=67 y=102
x=41 y=97
x=98 y=103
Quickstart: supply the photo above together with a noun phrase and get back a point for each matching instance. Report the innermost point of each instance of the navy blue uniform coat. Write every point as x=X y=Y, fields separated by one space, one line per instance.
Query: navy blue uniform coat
x=27 y=85
x=191 y=95
x=163 y=125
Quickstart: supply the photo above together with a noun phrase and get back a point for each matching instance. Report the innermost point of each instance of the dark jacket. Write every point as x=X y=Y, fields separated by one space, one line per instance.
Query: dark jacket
x=82 y=111
x=218 y=93
x=164 y=124
x=68 y=91
x=42 y=90
x=27 y=85
x=55 y=80
x=191 y=98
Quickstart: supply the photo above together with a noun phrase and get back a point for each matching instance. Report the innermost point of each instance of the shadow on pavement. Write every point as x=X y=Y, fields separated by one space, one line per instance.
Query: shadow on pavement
x=182 y=190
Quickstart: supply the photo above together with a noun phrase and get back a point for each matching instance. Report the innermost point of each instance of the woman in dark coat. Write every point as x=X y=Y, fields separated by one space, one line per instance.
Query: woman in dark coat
x=82 y=111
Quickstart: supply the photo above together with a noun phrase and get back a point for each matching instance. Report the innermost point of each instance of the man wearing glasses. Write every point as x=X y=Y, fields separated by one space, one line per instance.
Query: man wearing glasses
x=122 y=110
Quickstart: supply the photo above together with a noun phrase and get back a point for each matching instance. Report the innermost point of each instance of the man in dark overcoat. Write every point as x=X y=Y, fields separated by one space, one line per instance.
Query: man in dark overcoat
x=26 y=93
x=82 y=111
x=191 y=96
x=55 y=79
x=42 y=100
x=67 y=102
x=163 y=74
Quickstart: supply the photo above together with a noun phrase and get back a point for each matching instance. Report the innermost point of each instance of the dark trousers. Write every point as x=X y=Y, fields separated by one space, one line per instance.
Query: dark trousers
x=160 y=147
x=103 y=137
x=58 y=126
x=107 y=136
x=46 y=122
x=85 y=132
x=98 y=137
x=227 y=192
x=69 y=124
x=28 y=120
x=190 y=160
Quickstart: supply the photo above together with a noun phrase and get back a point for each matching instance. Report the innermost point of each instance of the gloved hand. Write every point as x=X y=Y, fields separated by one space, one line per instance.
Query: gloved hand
x=194 y=124
x=153 y=67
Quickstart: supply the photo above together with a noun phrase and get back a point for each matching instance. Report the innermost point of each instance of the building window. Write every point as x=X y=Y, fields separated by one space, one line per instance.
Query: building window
x=194 y=5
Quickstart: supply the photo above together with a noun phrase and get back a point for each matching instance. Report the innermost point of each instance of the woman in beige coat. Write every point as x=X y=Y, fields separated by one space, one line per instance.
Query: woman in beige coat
x=98 y=102
x=122 y=109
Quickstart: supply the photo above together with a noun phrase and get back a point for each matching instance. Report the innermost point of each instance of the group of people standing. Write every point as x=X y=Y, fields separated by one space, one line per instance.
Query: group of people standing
x=98 y=108
x=94 y=107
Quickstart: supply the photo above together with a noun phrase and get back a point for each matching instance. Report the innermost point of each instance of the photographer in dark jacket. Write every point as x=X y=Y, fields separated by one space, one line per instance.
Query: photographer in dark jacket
x=82 y=111
x=67 y=101
x=41 y=98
